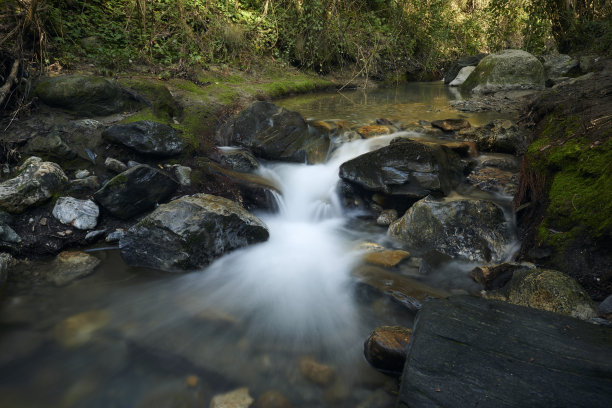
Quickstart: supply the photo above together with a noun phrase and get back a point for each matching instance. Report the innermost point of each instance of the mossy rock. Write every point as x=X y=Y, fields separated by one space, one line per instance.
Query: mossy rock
x=504 y=71
x=161 y=101
x=547 y=289
x=85 y=95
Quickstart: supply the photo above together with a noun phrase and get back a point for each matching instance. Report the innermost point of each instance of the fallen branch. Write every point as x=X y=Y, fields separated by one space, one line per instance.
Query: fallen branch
x=12 y=79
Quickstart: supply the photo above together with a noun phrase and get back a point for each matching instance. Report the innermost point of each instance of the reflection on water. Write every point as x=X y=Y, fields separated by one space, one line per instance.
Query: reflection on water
x=284 y=315
x=406 y=104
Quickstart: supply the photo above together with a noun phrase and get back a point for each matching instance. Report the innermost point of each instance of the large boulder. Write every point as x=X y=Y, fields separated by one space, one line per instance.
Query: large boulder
x=547 y=289
x=405 y=168
x=189 y=233
x=85 y=95
x=147 y=137
x=469 y=61
x=500 y=135
x=274 y=133
x=36 y=182
x=504 y=71
x=470 y=352
x=135 y=191
x=476 y=230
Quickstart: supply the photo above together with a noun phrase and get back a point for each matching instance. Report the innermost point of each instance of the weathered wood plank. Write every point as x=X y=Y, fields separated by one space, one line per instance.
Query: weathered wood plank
x=471 y=352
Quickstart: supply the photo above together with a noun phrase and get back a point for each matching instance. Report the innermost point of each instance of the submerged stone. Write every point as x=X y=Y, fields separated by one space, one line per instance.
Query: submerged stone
x=386 y=348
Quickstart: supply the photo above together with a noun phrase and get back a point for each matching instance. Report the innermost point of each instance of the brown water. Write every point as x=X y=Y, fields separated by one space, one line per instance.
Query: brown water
x=257 y=318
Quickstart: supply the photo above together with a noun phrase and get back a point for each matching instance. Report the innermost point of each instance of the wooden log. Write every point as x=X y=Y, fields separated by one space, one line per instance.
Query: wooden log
x=471 y=352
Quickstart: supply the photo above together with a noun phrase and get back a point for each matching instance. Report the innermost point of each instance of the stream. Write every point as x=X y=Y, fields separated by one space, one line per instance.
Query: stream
x=286 y=316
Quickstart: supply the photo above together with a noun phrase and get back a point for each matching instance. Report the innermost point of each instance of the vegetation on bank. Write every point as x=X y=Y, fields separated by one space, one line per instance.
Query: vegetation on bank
x=372 y=37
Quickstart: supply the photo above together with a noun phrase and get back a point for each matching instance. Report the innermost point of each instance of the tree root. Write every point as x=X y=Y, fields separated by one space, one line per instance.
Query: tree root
x=10 y=81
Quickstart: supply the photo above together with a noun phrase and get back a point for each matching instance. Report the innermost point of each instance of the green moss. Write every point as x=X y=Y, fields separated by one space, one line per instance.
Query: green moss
x=143 y=114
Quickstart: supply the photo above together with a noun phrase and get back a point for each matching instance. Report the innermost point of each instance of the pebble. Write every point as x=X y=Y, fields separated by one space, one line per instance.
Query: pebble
x=239 y=398
x=81 y=174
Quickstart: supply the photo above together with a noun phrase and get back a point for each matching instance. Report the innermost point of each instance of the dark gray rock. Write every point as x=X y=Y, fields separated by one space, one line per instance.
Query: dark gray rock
x=500 y=135
x=135 y=191
x=405 y=168
x=468 y=352
x=605 y=307
x=189 y=233
x=147 y=137
x=494 y=180
x=463 y=62
x=36 y=182
x=85 y=95
x=51 y=146
x=274 y=133
x=561 y=65
x=239 y=160
x=86 y=185
x=475 y=230
x=115 y=165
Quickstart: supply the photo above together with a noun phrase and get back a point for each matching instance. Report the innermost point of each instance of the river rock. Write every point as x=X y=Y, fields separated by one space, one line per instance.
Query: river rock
x=146 y=137
x=386 y=217
x=475 y=230
x=370 y=131
x=405 y=291
x=71 y=265
x=494 y=180
x=504 y=71
x=36 y=183
x=239 y=398
x=84 y=95
x=8 y=237
x=455 y=69
x=386 y=258
x=386 y=348
x=182 y=174
x=115 y=165
x=561 y=65
x=189 y=233
x=405 y=168
x=272 y=399
x=51 y=146
x=81 y=214
x=497 y=276
x=79 y=329
x=274 y=133
x=500 y=135
x=239 y=160
x=451 y=125
x=318 y=373
x=462 y=76
x=468 y=352
x=547 y=289
x=135 y=191
x=81 y=174
x=85 y=185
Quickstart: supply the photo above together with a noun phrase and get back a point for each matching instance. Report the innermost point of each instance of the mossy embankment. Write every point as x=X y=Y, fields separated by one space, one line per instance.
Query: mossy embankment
x=567 y=181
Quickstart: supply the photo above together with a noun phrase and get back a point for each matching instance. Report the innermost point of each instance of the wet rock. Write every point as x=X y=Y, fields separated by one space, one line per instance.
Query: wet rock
x=84 y=95
x=500 y=161
x=318 y=373
x=239 y=160
x=501 y=135
x=71 y=265
x=51 y=146
x=386 y=217
x=94 y=235
x=36 y=182
x=115 y=165
x=386 y=348
x=405 y=168
x=505 y=70
x=239 y=398
x=135 y=191
x=432 y=261
x=476 y=230
x=561 y=65
x=189 y=233
x=469 y=61
x=468 y=352
x=84 y=185
x=274 y=133
x=497 y=276
x=462 y=76
x=451 y=125
x=81 y=214
x=8 y=237
x=132 y=163
x=6 y=262
x=494 y=180
x=386 y=258
x=147 y=137
x=182 y=173
x=79 y=329
x=370 y=131
x=272 y=399
x=549 y=290
x=405 y=291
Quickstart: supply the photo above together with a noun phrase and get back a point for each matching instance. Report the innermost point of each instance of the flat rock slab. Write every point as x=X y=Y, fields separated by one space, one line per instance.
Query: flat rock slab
x=470 y=352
